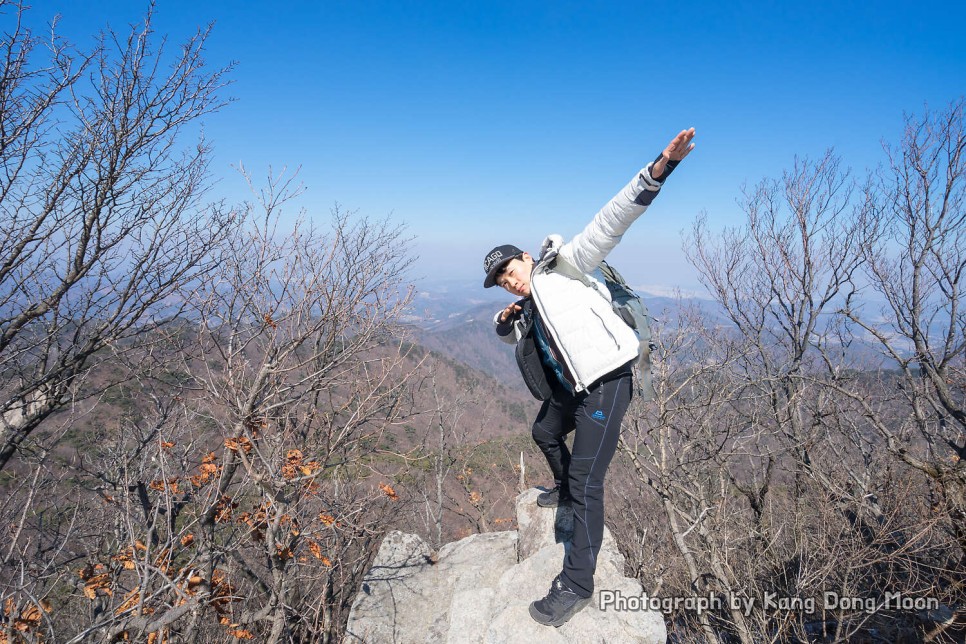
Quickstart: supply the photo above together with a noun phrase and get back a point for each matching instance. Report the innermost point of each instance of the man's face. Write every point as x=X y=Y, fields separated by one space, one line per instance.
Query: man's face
x=515 y=277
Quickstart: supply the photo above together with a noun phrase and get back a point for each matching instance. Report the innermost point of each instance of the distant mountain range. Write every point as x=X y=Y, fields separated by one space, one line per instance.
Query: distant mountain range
x=445 y=304
x=454 y=318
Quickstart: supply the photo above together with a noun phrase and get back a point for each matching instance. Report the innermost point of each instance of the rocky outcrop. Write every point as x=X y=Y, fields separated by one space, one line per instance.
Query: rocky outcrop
x=478 y=589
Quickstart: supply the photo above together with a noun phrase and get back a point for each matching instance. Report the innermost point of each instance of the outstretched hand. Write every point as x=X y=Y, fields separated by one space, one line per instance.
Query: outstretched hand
x=679 y=147
x=509 y=312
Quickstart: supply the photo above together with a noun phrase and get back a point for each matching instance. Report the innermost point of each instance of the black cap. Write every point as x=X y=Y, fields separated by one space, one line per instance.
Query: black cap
x=496 y=259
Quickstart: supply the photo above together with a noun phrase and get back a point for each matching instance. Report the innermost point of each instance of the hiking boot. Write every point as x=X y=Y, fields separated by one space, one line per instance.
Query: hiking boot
x=552 y=499
x=558 y=606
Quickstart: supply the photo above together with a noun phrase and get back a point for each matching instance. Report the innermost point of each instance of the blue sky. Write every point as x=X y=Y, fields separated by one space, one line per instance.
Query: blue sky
x=480 y=123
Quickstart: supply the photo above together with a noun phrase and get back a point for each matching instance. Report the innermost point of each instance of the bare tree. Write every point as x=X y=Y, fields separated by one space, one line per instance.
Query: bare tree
x=101 y=219
x=915 y=252
x=762 y=446
x=243 y=495
x=776 y=280
x=459 y=478
x=300 y=365
x=443 y=443
x=257 y=367
x=687 y=448
x=916 y=257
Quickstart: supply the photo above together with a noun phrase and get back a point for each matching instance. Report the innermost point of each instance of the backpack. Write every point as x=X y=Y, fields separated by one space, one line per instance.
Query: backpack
x=629 y=307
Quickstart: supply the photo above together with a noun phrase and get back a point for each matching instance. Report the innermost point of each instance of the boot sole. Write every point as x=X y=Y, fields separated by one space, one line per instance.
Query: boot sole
x=563 y=619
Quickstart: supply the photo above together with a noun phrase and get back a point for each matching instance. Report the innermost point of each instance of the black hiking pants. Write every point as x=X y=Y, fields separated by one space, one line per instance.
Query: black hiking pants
x=595 y=415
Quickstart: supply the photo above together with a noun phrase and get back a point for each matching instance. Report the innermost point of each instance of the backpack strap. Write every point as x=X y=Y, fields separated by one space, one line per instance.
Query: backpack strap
x=562 y=266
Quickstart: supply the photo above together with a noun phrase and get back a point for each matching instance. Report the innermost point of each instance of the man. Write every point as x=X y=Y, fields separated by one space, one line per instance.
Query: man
x=585 y=353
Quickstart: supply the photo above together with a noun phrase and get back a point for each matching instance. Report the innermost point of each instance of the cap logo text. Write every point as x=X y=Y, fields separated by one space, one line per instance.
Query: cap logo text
x=492 y=259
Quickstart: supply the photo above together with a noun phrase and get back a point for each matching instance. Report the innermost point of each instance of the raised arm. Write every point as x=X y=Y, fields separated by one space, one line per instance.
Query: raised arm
x=589 y=247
